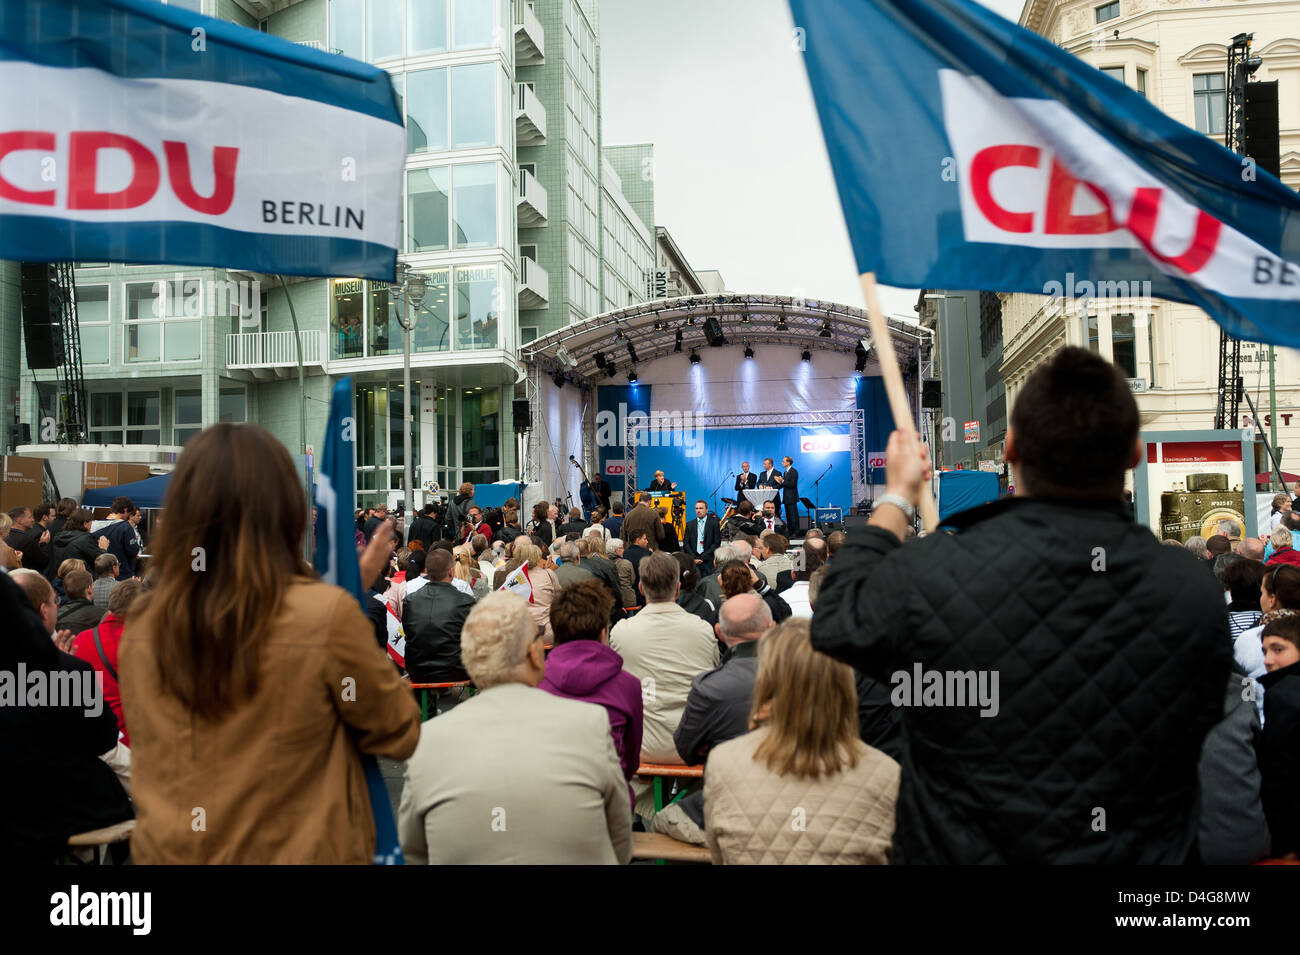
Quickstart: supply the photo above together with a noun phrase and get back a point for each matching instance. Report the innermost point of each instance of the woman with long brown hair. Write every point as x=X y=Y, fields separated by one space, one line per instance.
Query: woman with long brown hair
x=801 y=787
x=251 y=687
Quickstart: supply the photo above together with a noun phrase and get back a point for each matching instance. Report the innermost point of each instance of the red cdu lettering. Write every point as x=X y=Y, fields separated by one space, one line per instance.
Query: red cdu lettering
x=1142 y=219
x=223 y=171
x=18 y=141
x=983 y=166
x=83 y=158
x=1060 y=219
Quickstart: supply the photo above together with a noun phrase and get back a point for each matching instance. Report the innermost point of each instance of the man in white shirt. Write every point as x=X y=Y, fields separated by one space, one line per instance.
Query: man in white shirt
x=797 y=594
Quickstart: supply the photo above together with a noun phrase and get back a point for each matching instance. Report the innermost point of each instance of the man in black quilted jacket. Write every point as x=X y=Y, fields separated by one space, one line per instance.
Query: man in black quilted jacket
x=1055 y=667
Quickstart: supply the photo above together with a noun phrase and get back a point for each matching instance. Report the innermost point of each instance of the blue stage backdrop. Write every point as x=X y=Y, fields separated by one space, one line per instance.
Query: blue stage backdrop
x=613 y=404
x=697 y=461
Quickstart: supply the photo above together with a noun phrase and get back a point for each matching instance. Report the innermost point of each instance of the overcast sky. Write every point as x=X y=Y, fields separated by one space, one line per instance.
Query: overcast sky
x=742 y=180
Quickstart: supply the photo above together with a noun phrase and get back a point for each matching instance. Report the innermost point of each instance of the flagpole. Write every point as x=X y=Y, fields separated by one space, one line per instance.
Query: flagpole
x=894 y=389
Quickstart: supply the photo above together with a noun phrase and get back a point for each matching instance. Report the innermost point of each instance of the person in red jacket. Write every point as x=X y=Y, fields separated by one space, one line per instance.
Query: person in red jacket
x=110 y=636
x=1283 y=552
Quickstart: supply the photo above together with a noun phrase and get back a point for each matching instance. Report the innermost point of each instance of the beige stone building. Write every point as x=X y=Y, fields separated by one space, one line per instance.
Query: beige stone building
x=1174 y=52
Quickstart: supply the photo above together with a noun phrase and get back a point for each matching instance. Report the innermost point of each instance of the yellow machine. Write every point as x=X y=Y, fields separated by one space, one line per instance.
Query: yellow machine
x=671 y=506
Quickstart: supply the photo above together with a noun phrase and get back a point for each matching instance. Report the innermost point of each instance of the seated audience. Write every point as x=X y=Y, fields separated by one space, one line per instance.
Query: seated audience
x=536 y=779
x=775 y=559
x=626 y=572
x=801 y=787
x=664 y=647
x=740 y=578
x=690 y=599
x=581 y=666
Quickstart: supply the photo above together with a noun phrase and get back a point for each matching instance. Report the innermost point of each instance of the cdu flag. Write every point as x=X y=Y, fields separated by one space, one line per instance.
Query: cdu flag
x=131 y=131
x=336 y=562
x=972 y=153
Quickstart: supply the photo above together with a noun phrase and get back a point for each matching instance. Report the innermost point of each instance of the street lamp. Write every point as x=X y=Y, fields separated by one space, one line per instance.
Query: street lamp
x=970 y=387
x=410 y=288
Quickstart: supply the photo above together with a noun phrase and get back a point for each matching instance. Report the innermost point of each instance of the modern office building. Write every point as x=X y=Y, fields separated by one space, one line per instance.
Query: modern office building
x=1175 y=53
x=968 y=359
x=518 y=219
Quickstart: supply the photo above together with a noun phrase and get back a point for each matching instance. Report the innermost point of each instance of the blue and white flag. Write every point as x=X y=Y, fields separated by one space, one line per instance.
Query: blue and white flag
x=131 y=131
x=336 y=562
x=971 y=153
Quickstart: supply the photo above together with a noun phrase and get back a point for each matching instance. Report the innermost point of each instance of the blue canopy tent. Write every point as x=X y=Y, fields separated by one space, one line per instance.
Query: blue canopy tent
x=146 y=494
x=962 y=490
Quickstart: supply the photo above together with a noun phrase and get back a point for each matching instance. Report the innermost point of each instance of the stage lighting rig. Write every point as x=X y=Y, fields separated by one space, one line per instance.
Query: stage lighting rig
x=713 y=332
x=631 y=352
x=749 y=350
x=826 y=329
x=600 y=360
x=677 y=342
x=558 y=378
x=805 y=356
x=695 y=357
x=631 y=377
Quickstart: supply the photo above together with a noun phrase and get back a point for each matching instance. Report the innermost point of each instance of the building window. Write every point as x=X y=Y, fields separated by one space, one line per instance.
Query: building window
x=143 y=418
x=527 y=333
x=157 y=326
x=1142 y=81
x=430 y=332
x=1211 y=104
x=1092 y=335
x=1109 y=11
x=472 y=23
x=93 y=322
x=347 y=318
x=1124 y=345
x=383 y=29
x=474 y=205
x=1114 y=72
x=427 y=209
x=426 y=111
x=473 y=100
x=480 y=430
x=187 y=416
x=233 y=404
x=106 y=417
x=426 y=27
x=478 y=298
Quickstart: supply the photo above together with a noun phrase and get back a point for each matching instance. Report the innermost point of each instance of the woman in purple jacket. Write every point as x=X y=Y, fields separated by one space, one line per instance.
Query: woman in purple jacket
x=583 y=667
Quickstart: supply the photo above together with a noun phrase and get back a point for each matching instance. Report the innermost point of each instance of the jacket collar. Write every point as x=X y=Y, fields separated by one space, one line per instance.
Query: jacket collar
x=1277 y=676
x=742 y=651
x=1091 y=509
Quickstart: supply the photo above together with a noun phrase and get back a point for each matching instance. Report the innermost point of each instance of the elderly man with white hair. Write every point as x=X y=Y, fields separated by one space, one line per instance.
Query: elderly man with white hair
x=1283 y=551
x=514 y=774
x=623 y=567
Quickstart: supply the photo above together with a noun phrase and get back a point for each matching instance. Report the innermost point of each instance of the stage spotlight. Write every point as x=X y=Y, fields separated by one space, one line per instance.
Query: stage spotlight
x=695 y=357
x=805 y=356
x=558 y=378
x=631 y=352
x=826 y=329
x=780 y=323
x=749 y=350
x=618 y=332
x=690 y=320
x=566 y=359
x=677 y=344
x=861 y=353
x=600 y=360
x=631 y=376
x=713 y=332
x=744 y=319
x=611 y=369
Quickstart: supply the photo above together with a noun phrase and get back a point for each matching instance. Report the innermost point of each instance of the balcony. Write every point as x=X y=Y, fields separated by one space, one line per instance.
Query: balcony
x=530 y=48
x=534 y=287
x=272 y=355
x=531 y=202
x=530 y=118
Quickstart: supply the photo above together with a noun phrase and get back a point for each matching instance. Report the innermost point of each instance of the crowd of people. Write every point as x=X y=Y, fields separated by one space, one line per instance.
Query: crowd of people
x=1140 y=708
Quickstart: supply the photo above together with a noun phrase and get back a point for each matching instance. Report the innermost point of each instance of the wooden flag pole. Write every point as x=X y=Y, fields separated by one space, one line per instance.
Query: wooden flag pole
x=889 y=370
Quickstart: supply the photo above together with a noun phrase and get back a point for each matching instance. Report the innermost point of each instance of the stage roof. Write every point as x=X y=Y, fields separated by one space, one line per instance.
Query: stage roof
x=651 y=328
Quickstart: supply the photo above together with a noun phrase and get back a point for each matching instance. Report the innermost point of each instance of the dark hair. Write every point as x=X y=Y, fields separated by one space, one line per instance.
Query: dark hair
x=123 y=505
x=65 y=507
x=428 y=509
x=43 y=508
x=79 y=520
x=1287 y=627
x=1218 y=544
x=1075 y=424
x=75 y=583
x=415 y=563
x=813 y=559
x=690 y=576
x=581 y=611
x=618 y=507
x=1283 y=582
x=734 y=578
x=1241 y=579
x=17 y=512
x=540 y=510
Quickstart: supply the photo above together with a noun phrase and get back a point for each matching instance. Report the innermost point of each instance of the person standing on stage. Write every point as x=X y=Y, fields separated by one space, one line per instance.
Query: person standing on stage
x=789 y=484
x=661 y=485
x=703 y=536
x=767 y=478
x=601 y=490
x=745 y=481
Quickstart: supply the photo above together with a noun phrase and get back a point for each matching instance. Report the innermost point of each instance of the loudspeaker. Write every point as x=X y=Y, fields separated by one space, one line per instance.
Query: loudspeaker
x=42 y=321
x=1261 y=122
x=855 y=520
x=519 y=412
x=19 y=434
x=931 y=393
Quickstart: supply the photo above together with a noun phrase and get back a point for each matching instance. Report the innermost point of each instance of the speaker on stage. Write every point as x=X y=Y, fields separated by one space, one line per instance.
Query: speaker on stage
x=931 y=393
x=855 y=520
x=42 y=319
x=519 y=412
x=19 y=434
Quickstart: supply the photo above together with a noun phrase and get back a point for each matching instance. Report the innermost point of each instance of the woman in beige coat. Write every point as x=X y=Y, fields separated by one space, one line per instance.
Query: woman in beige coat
x=800 y=787
x=251 y=687
x=545 y=585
